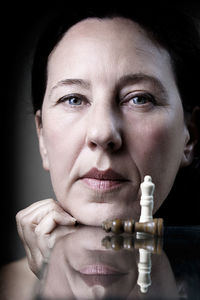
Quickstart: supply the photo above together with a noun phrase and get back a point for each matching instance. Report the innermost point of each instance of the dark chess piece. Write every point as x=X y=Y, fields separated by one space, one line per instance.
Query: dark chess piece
x=153 y=227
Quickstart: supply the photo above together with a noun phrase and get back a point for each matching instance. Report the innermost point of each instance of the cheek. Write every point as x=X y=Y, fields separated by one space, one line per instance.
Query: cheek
x=64 y=141
x=151 y=137
x=156 y=146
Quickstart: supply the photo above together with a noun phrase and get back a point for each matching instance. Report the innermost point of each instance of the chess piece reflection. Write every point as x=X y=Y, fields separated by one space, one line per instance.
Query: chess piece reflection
x=153 y=244
x=146 y=247
x=144 y=270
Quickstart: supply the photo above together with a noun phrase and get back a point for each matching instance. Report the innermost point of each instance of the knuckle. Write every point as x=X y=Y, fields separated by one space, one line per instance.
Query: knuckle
x=50 y=201
x=54 y=206
x=19 y=215
x=38 y=231
x=51 y=241
x=24 y=221
x=53 y=214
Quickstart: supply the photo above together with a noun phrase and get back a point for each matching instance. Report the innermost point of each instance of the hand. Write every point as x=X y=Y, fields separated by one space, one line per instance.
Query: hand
x=38 y=229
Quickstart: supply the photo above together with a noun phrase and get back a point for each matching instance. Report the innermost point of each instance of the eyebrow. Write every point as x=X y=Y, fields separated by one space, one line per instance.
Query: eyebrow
x=139 y=78
x=123 y=81
x=70 y=82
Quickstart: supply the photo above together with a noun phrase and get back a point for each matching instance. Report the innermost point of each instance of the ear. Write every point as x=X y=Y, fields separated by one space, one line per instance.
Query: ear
x=192 y=137
x=42 y=147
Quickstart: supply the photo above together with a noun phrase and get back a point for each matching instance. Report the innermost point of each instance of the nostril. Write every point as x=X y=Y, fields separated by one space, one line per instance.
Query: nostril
x=107 y=146
x=109 y=140
x=92 y=145
x=111 y=145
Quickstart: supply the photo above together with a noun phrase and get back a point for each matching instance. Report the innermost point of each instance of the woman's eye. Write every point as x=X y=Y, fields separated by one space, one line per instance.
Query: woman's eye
x=71 y=100
x=74 y=101
x=142 y=99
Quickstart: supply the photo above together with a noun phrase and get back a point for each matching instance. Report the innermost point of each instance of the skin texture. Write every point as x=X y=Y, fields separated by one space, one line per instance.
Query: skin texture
x=107 y=129
x=111 y=102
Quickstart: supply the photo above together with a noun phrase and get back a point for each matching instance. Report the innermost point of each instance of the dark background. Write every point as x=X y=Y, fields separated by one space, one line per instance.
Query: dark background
x=22 y=177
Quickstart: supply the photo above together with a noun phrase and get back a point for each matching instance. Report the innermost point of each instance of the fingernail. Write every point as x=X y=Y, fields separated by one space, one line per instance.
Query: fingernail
x=74 y=221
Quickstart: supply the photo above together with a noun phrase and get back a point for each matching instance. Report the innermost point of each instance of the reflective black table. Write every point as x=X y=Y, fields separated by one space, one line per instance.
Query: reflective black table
x=88 y=263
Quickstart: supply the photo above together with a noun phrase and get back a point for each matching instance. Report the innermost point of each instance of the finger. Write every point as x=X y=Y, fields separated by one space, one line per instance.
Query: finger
x=28 y=252
x=37 y=244
x=34 y=258
x=35 y=262
x=29 y=240
x=51 y=220
x=36 y=214
x=58 y=233
x=44 y=229
x=61 y=231
x=21 y=219
x=46 y=242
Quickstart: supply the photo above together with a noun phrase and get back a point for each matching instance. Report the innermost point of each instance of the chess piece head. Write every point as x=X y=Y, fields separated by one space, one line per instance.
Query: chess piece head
x=116 y=225
x=147 y=187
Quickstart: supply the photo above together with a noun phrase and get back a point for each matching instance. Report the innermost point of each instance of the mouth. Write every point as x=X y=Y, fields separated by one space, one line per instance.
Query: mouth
x=98 y=269
x=103 y=180
x=100 y=275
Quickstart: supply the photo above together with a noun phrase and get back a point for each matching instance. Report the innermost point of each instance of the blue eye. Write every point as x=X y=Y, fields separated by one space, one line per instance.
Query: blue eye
x=142 y=99
x=74 y=101
x=71 y=100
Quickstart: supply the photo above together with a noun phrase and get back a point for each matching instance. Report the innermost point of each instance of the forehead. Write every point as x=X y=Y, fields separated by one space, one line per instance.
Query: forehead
x=117 y=44
x=118 y=29
x=106 y=27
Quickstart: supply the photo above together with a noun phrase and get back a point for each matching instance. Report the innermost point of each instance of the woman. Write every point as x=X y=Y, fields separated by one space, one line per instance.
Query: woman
x=114 y=96
x=109 y=111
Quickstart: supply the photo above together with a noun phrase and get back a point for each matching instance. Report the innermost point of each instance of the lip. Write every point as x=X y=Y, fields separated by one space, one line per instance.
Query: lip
x=103 y=280
x=100 y=275
x=103 y=180
x=98 y=269
x=108 y=174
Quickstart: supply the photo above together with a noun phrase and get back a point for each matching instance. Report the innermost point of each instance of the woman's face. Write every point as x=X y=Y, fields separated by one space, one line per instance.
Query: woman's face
x=111 y=114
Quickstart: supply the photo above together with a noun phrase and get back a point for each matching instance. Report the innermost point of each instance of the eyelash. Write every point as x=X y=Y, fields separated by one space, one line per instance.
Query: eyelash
x=70 y=97
x=142 y=96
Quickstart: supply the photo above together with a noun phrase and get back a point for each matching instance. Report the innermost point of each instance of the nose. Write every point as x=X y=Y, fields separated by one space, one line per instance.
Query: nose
x=104 y=130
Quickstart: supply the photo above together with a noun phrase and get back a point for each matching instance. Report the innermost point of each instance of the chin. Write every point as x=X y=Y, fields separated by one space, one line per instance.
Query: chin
x=106 y=212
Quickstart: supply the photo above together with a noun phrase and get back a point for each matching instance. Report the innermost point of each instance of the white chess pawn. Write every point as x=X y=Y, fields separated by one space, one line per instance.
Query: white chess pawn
x=146 y=202
x=144 y=270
